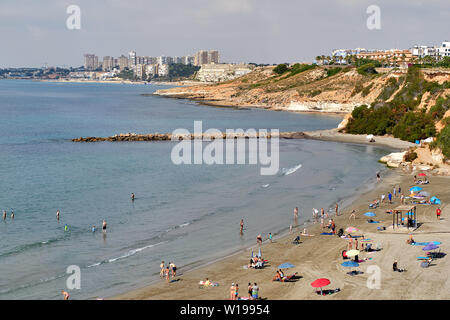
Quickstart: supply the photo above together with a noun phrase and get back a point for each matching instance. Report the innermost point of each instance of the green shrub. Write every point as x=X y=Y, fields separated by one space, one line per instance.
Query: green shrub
x=414 y=126
x=443 y=140
x=366 y=90
x=410 y=156
x=438 y=110
x=281 y=68
x=367 y=69
x=333 y=71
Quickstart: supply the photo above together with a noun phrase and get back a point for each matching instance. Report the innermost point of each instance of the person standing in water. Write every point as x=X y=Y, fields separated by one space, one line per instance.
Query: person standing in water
x=378 y=177
x=337 y=209
x=132 y=197
x=295 y=212
x=4 y=214
x=57 y=215
x=65 y=295
x=161 y=269
x=242 y=226
x=12 y=214
x=104 y=226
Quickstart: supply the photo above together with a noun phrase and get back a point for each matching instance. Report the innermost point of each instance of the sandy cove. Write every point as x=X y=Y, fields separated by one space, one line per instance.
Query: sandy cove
x=320 y=256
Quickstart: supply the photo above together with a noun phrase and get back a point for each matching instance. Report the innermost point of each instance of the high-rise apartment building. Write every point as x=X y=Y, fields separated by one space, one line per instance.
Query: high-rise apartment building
x=123 y=62
x=108 y=63
x=206 y=57
x=90 y=61
x=132 y=59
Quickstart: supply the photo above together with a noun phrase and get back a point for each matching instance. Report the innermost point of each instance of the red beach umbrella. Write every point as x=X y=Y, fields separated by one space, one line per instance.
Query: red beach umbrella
x=422 y=174
x=319 y=283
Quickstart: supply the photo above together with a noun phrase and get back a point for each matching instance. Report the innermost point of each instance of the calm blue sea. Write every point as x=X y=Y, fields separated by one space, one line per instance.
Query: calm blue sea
x=188 y=214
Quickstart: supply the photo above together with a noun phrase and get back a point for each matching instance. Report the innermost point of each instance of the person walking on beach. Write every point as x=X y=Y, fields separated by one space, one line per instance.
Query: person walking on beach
x=232 y=291
x=438 y=213
x=399 y=190
x=402 y=199
x=65 y=295
x=104 y=226
x=270 y=237
x=161 y=269
x=352 y=214
x=259 y=239
x=250 y=291
x=337 y=213
x=395 y=192
x=315 y=213
x=350 y=244
x=390 y=197
x=378 y=177
x=255 y=291
x=295 y=212
x=382 y=198
x=174 y=270
x=167 y=272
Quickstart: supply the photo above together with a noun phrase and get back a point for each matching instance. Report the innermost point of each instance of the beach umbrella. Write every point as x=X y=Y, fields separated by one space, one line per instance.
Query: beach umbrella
x=369 y=136
x=319 y=283
x=352 y=253
x=259 y=253
x=430 y=246
x=285 y=265
x=415 y=189
x=435 y=200
x=370 y=214
x=351 y=229
x=422 y=174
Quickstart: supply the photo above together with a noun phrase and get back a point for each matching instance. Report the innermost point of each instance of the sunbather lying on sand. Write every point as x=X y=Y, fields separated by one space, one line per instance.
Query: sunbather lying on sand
x=281 y=277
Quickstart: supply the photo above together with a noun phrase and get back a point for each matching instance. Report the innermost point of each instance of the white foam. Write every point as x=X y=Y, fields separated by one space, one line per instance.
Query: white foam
x=288 y=171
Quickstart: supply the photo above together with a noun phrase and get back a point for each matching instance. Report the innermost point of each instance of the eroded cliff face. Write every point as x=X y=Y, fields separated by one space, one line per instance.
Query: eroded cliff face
x=311 y=90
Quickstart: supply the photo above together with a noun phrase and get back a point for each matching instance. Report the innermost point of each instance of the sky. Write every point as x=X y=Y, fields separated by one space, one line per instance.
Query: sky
x=34 y=33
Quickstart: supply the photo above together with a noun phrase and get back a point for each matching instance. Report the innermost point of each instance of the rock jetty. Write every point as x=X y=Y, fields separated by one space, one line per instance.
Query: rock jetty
x=170 y=137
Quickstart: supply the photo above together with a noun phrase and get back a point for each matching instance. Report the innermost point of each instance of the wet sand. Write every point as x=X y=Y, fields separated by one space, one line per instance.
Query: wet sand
x=319 y=256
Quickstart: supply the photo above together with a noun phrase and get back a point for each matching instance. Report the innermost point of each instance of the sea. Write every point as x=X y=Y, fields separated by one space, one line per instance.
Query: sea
x=188 y=214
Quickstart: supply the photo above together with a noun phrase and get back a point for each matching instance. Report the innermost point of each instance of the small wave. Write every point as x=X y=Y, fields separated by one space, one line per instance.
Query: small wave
x=126 y=255
x=265 y=185
x=288 y=171
x=184 y=225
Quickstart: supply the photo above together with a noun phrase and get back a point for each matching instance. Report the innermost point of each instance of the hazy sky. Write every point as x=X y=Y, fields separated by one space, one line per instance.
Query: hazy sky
x=34 y=32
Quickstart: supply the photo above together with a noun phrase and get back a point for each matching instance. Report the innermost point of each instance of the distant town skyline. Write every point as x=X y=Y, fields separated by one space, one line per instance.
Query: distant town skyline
x=35 y=33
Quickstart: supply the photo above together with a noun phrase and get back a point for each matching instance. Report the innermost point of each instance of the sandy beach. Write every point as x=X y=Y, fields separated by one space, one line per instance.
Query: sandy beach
x=319 y=256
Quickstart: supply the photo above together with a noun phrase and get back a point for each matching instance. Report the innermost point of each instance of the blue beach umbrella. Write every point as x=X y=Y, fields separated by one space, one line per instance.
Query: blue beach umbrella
x=370 y=214
x=415 y=189
x=259 y=253
x=286 y=265
x=430 y=246
x=351 y=264
x=435 y=200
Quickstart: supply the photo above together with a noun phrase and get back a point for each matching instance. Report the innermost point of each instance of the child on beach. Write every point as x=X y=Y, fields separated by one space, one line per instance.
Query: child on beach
x=438 y=213
x=270 y=237
x=161 y=271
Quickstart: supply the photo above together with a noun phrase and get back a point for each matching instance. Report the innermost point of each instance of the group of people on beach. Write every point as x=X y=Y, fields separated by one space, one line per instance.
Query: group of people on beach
x=252 y=290
x=166 y=272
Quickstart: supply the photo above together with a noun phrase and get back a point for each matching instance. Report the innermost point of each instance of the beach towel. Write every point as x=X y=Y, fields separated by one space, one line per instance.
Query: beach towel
x=422 y=258
x=327 y=233
x=425 y=243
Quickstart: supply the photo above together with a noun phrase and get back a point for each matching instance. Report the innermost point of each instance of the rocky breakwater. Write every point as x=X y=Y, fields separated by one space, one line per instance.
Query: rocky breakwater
x=126 y=137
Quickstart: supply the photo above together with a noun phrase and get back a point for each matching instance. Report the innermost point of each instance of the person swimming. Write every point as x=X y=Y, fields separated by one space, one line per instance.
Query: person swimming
x=94 y=229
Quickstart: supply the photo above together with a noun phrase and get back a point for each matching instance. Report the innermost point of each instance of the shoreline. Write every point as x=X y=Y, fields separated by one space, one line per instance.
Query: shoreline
x=229 y=269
